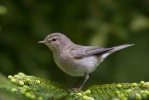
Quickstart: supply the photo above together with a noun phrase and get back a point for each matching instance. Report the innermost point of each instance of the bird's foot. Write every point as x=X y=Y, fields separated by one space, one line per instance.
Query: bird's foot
x=74 y=89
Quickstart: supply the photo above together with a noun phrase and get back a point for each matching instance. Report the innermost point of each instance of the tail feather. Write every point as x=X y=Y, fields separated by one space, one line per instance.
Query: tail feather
x=116 y=48
x=113 y=49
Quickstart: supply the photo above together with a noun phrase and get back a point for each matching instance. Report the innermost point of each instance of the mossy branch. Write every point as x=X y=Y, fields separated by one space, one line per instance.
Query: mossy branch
x=31 y=87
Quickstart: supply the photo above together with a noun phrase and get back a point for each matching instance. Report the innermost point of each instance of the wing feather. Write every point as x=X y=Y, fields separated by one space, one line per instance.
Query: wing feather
x=80 y=52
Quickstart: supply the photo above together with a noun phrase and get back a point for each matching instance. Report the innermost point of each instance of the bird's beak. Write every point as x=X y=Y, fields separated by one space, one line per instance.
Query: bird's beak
x=42 y=42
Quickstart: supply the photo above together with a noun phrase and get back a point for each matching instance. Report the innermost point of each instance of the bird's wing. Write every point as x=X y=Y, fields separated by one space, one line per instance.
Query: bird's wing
x=82 y=51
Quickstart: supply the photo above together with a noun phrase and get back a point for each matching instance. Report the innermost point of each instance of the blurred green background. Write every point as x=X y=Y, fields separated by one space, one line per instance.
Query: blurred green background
x=87 y=22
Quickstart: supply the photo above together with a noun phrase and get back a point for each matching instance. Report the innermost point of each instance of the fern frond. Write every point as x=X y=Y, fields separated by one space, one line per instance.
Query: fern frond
x=31 y=87
x=37 y=88
x=120 y=91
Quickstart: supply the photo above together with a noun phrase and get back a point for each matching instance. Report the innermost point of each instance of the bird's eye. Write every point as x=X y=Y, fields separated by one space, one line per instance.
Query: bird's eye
x=54 y=39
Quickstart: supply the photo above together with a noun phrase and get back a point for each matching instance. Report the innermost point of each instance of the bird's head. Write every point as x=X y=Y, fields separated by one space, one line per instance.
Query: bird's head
x=56 y=41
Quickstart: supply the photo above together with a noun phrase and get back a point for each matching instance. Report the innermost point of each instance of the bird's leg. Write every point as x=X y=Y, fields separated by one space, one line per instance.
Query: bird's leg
x=78 y=82
x=86 y=78
x=75 y=87
x=78 y=89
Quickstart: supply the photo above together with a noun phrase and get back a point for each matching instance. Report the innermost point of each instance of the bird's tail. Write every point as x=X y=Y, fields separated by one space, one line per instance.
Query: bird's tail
x=113 y=49
x=116 y=48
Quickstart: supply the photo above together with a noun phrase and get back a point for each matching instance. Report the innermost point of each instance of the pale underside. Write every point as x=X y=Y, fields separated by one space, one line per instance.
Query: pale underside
x=80 y=61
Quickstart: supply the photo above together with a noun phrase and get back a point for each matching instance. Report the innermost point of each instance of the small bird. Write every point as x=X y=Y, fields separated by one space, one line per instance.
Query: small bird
x=77 y=60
